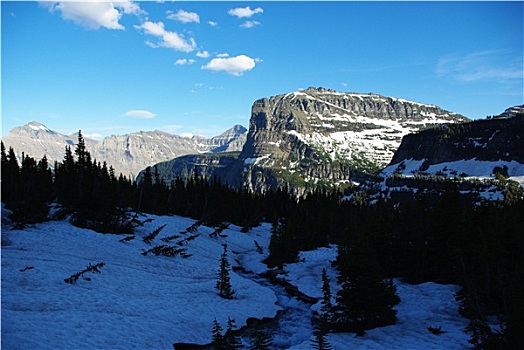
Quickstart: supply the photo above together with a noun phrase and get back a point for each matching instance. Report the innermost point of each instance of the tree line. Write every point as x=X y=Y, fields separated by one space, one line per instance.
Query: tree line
x=437 y=236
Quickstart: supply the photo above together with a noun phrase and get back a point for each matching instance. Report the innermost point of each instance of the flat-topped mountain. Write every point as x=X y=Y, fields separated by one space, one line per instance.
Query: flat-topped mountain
x=320 y=136
x=128 y=154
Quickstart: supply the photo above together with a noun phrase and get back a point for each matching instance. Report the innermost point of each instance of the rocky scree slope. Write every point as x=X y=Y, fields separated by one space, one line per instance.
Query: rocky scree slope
x=322 y=137
x=128 y=154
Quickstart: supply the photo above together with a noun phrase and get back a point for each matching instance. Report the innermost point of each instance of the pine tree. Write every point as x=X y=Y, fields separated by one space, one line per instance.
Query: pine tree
x=80 y=150
x=283 y=245
x=10 y=177
x=217 y=338
x=259 y=340
x=366 y=299
x=223 y=284
x=326 y=297
x=320 y=342
x=231 y=340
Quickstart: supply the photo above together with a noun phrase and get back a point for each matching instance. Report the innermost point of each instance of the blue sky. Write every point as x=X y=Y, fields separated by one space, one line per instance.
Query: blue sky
x=197 y=67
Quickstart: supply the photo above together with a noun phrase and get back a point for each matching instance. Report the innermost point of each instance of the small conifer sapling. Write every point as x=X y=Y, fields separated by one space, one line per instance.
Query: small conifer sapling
x=223 y=285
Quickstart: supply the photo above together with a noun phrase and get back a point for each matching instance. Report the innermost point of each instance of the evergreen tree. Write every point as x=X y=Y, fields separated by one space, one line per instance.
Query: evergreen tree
x=217 y=338
x=282 y=245
x=10 y=177
x=366 y=299
x=80 y=150
x=231 y=340
x=320 y=342
x=259 y=340
x=223 y=284
x=326 y=297
x=65 y=179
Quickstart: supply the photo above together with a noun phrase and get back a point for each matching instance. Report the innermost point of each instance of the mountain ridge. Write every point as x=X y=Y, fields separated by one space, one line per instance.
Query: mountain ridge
x=129 y=153
x=480 y=148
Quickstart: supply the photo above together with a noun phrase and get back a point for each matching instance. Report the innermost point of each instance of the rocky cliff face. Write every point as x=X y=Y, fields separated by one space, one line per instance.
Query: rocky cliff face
x=320 y=136
x=323 y=137
x=128 y=154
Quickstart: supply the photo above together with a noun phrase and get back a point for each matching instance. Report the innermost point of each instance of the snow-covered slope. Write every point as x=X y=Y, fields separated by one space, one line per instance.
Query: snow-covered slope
x=351 y=126
x=469 y=168
x=152 y=302
x=136 y=302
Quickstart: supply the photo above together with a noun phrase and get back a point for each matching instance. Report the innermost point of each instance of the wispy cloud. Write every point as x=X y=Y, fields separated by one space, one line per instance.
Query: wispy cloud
x=166 y=39
x=184 y=61
x=489 y=65
x=212 y=23
x=250 y=24
x=94 y=14
x=203 y=86
x=245 y=12
x=140 y=114
x=202 y=54
x=232 y=65
x=184 y=16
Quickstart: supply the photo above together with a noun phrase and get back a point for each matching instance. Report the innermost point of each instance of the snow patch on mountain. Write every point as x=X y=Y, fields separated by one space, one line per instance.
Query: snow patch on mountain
x=468 y=168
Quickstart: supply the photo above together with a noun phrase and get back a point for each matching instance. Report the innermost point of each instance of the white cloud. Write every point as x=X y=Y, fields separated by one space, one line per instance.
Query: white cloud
x=244 y=12
x=139 y=114
x=167 y=39
x=185 y=17
x=184 y=61
x=202 y=54
x=489 y=65
x=212 y=23
x=250 y=24
x=129 y=7
x=94 y=14
x=232 y=65
x=225 y=54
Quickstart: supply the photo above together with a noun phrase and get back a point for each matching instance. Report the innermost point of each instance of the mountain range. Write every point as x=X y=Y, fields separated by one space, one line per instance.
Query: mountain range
x=308 y=138
x=128 y=154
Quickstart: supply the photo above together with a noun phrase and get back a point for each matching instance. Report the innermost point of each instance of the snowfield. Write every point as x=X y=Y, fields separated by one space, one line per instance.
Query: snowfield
x=473 y=168
x=139 y=302
x=151 y=302
x=424 y=305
